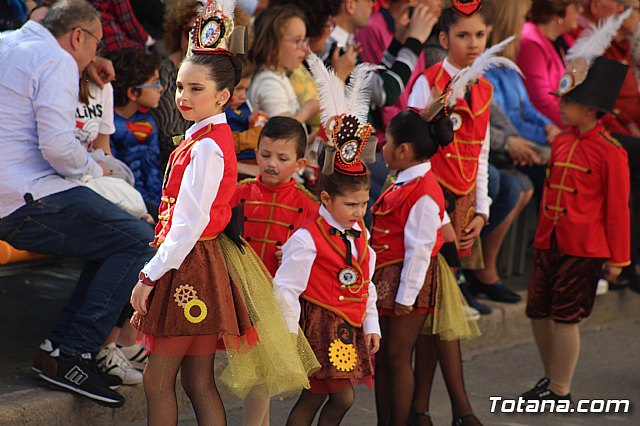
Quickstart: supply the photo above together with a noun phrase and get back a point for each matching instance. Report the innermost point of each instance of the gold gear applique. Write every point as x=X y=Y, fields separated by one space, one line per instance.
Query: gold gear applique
x=383 y=288
x=184 y=294
x=187 y=311
x=342 y=356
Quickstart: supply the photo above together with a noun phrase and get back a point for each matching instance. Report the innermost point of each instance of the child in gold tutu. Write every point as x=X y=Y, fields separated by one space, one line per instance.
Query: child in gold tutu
x=203 y=290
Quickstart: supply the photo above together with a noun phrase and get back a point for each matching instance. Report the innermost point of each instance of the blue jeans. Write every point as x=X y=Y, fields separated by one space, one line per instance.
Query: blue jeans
x=504 y=191
x=115 y=245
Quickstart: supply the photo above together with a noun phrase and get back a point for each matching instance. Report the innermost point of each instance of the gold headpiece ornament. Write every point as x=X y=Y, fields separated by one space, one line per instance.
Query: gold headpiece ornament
x=592 y=43
x=344 y=117
x=214 y=31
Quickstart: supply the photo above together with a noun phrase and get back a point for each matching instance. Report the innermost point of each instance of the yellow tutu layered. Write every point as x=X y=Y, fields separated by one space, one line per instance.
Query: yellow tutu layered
x=280 y=362
x=448 y=319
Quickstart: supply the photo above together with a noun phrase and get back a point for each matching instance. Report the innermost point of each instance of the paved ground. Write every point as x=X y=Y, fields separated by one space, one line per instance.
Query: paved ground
x=608 y=369
x=29 y=305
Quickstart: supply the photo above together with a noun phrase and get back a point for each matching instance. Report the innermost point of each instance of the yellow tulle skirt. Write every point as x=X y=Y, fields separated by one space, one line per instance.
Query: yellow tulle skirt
x=448 y=319
x=280 y=362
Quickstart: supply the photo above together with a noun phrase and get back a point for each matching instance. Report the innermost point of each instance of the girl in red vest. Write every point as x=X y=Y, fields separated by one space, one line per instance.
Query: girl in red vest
x=462 y=167
x=407 y=237
x=191 y=296
x=325 y=275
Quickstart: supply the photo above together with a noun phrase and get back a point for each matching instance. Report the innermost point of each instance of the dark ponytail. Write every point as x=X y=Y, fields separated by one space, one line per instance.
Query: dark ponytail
x=224 y=69
x=424 y=137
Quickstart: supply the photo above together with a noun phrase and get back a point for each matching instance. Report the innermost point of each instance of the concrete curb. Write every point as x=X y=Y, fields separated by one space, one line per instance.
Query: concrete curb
x=507 y=326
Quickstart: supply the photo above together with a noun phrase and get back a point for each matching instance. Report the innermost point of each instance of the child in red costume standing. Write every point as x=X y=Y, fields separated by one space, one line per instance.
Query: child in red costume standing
x=326 y=270
x=584 y=213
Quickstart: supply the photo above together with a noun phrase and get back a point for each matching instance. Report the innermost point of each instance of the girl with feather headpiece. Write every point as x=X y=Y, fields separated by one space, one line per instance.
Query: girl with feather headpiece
x=457 y=87
x=325 y=275
x=206 y=288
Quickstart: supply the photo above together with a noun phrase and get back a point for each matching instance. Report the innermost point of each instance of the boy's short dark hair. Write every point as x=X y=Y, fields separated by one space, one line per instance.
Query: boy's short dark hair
x=133 y=67
x=286 y=128
x=248 y=67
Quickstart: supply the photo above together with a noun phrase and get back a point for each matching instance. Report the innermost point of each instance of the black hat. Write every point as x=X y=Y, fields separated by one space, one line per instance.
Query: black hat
x=600 y=88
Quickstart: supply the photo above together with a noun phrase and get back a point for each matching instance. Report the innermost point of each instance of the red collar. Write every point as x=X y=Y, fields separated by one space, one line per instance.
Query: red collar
x=278 y=188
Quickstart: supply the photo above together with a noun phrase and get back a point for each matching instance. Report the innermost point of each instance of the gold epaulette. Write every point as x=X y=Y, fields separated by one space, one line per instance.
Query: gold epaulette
x=246 y=181
x=613 y=141
x=307 y=192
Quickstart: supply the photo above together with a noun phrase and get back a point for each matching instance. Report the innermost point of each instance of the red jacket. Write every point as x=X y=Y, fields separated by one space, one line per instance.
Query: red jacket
x=585 y=201
x=271 y=215
x=324 y=288
x=220 y=212
x=390 y=214
x=456 y=165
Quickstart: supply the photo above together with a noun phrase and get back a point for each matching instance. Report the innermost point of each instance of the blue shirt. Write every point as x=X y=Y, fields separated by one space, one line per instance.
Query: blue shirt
x=135 y=142
x=511 y=95
x=38 y=98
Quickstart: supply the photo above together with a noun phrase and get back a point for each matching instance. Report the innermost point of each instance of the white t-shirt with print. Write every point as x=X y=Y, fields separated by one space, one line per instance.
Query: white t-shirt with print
x=96 y=117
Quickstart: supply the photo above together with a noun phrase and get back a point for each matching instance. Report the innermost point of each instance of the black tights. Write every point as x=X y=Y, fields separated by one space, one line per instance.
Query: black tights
x=430 y=350
x=196 y=373
x=332 y=412
x=394 y=374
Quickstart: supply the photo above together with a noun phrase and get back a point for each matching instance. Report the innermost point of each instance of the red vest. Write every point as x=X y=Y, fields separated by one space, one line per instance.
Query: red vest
x=324 y=288
x=390 y=215
x=456 y=165
x=271 y=215
x=220 y=212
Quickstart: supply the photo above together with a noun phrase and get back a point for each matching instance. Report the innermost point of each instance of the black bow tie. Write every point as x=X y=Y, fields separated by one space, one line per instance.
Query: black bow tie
x=354 y=233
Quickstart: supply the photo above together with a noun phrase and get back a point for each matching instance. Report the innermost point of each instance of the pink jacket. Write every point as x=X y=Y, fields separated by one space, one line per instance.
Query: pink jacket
x=542 y=68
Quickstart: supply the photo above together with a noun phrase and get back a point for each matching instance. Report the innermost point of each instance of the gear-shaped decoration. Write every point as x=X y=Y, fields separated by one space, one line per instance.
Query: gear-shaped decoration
x=348 y=138
x=383 y=289
x=184 y=294
x=342 y=356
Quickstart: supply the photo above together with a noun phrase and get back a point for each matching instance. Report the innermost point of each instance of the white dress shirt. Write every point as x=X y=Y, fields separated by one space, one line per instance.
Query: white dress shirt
x=419 y=98
x=420 y=233
x=38 y=98
x=198 y=190
x=292 y=277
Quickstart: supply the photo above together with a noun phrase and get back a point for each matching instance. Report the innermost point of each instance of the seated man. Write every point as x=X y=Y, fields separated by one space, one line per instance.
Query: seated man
x=43 y=212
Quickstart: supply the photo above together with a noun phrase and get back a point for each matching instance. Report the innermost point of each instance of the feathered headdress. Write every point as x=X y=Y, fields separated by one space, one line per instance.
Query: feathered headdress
x=457 y=87
x=593 y=42
x=466 y=7
x=214 y=31
x=344 y=117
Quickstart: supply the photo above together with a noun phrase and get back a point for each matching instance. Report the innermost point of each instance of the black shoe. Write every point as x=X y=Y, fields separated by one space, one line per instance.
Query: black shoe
x=547 y=394
x=471 y=301
x=540 y=386
x=497 y=292
x=79 y=374
x=420 y=419
x=460 y=421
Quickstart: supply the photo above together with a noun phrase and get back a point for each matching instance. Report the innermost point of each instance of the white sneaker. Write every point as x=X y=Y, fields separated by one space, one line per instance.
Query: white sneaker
x=472 y=314
x=112 y=361
x=136 y=354
x=603 y=287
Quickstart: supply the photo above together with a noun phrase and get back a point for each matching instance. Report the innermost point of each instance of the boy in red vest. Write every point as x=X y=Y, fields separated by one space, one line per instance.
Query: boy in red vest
x=583 y=221
x=275 y=205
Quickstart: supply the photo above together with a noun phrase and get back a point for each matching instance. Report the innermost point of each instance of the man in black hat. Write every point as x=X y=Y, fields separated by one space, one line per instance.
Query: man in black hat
x=583 y=221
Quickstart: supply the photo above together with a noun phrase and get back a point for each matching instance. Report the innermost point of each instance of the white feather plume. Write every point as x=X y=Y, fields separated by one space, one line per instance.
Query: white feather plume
x=330 y=89
x=482 y=63
x=227 y=7
x=358 y=93
x=595 y=40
